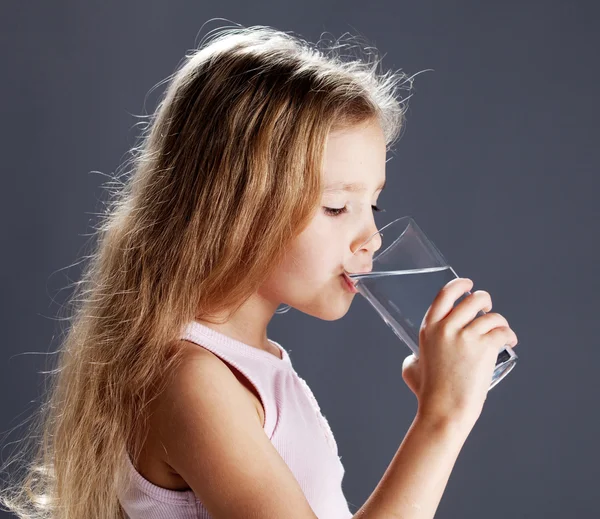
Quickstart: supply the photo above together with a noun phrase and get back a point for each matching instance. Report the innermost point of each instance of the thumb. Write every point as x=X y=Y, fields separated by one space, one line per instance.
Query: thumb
x=411 y=373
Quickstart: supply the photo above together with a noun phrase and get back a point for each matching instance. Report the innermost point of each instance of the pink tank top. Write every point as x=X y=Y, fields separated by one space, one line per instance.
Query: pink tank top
x=293 y=422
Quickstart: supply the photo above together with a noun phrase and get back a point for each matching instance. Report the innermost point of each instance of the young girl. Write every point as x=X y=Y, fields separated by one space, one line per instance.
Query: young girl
x=254 y=185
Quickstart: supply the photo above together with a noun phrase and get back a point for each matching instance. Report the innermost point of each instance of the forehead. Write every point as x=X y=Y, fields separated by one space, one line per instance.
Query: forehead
x=355 y=159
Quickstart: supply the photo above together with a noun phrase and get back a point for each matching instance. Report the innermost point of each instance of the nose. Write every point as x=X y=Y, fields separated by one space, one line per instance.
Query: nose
x=366 y=249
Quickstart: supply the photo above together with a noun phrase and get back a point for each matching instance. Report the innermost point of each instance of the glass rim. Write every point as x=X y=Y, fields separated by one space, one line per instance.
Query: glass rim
x=406 y=218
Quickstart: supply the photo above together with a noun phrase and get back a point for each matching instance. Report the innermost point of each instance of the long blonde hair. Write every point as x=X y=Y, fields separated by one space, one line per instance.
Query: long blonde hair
x=227 y=174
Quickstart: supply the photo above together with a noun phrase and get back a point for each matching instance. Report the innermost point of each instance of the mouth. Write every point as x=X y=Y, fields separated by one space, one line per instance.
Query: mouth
x=349 y=283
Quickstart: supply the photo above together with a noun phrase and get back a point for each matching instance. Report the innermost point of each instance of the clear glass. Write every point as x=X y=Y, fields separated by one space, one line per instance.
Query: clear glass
x=407 y=272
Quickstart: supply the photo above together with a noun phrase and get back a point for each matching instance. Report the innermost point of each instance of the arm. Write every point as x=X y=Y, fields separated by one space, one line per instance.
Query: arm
x=214 y=439
x=414 y=482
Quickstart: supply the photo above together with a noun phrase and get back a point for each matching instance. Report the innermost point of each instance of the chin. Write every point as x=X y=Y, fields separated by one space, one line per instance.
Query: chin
x=333 y=317
x=328 y=311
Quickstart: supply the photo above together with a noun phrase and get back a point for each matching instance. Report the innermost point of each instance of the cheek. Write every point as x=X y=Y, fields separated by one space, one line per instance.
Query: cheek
x=321 y=242
x=314 y=260
x=308 y=265
x=316 y=257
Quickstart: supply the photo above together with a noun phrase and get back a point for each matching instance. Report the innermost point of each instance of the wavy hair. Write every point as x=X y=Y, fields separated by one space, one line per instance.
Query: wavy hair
x=226 y=174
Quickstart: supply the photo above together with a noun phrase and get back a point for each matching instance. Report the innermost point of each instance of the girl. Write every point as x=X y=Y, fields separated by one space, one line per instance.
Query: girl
x=254 y=185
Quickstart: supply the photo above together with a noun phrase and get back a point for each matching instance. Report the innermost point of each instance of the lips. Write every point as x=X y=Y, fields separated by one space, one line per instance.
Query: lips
x=350 y=283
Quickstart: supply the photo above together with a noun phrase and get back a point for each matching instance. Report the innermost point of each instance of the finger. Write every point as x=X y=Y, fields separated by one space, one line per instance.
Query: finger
x=503 y=336
x=411 y=373
x=444 y=301
x=468 y=309
x=486 y=322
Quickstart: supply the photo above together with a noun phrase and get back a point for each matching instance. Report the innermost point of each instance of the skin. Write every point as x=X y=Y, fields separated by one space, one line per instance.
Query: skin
x=309 y=279
x=450 y=381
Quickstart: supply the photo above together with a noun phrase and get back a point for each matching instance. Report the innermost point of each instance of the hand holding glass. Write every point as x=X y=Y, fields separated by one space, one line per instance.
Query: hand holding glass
x=406 y=275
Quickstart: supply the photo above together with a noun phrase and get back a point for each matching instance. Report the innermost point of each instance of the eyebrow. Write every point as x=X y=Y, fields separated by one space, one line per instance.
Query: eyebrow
x=355 y=187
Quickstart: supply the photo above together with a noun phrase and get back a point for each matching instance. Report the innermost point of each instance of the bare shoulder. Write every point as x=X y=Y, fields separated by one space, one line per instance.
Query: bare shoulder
x=203 y=355
x=200 y=362
x=212 y=437
x=153 y=461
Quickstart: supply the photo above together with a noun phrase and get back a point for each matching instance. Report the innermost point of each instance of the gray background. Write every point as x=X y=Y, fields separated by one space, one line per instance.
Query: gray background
x=498 y=164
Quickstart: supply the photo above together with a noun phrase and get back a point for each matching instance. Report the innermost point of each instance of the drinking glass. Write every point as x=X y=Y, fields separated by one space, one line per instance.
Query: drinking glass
x=407 y=273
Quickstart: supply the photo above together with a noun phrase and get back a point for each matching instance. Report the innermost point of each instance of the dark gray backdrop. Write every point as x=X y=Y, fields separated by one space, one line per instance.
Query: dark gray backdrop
x=498 y=164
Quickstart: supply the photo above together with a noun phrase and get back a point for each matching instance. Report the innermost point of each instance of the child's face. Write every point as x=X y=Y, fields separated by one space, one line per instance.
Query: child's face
x=310 y=278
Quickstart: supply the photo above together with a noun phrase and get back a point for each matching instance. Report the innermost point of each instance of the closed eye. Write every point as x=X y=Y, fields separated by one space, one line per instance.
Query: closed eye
x=330 y=211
